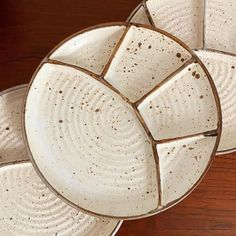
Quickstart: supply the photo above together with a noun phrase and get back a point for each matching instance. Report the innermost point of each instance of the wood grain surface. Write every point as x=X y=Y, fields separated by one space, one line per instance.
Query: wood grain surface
x=29 y=29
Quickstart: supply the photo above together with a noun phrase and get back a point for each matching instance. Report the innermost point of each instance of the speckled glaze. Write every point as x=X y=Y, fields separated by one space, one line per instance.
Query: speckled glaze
x=87 y=135
x=90 y=50
x=141 y=62
x=182 y=163
x=27 y=206
x=190 y=109
x=208 y=26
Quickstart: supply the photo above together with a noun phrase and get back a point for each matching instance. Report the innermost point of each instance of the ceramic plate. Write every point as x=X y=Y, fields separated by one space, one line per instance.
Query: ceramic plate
x=209 y=27
x=108 y=106
x=27 y=207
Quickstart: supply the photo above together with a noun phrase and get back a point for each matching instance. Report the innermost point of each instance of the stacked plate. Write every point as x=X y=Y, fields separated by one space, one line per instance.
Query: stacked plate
x=120 y=121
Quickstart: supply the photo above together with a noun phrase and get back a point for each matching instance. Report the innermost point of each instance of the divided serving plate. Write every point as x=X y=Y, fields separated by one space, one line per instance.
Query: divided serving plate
x=208 y=27
x=122 y=120
x=27 y=206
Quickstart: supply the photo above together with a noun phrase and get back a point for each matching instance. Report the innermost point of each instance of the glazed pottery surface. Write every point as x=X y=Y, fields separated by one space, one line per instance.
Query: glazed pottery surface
x=122 y=120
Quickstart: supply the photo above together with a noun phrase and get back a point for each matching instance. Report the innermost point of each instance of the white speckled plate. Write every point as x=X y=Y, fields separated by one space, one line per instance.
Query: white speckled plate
x=98 y=121
x=208 y=27
x=27 y=206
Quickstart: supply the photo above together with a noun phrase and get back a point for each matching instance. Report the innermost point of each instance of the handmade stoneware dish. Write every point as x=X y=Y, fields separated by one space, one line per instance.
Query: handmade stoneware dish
x=27 y=206
x=208 y=27
x=122 y=120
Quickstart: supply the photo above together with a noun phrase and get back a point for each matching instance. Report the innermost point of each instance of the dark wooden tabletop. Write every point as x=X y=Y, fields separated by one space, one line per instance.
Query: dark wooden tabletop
x=29 y=29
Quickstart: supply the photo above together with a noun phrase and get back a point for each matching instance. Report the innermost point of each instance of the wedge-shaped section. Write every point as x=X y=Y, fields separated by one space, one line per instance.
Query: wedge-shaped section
x=12 y=147
x=181 y=18
x=182 y=164
x=89 y=145
x=221 y=25
x=223 y=70
x=144 y=59
x=28 y=207
x=140 y=16
x=185 y=105
x=90 y=50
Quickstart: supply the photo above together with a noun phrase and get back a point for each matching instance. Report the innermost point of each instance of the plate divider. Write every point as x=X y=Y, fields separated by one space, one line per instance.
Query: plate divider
x=210 y=133
x=167 y=79
x=115 y=51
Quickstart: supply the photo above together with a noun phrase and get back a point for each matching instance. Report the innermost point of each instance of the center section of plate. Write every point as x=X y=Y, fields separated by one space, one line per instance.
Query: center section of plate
x=92 y=147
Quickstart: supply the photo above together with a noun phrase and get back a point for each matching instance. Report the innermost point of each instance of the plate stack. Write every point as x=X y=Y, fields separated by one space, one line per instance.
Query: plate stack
x=120 y=121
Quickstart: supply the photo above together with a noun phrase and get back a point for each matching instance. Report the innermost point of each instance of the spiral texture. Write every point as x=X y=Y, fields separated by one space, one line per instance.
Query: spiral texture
x=27 y=207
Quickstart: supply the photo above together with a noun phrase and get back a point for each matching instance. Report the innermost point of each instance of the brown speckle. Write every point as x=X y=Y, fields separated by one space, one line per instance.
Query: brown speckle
x=7 y=128
x=197 y=76
x=60 y=121
x=201 y=97
x=60 y=91
x=178 y=55
x=97 y=110
x=139 y=45
x=150 y=46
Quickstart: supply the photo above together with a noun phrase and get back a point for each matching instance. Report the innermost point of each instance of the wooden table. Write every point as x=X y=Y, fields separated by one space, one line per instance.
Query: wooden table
x=29 y=29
